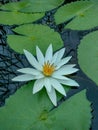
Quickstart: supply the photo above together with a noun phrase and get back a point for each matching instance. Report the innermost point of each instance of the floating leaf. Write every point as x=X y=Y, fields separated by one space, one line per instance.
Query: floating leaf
x=70 y=10
x=11 y=18
x=88 y=56
x=87 y=0
x=73 y=114
x=34 y=35
x=41 y=6
x=32 y=5
x=13 y=6
x=86 y=19
x=25 y=111
x=10 y=14
x=84 y=13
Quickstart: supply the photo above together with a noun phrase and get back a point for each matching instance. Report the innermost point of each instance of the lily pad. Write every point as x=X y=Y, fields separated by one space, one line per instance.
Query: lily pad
x=41 y=5
x=88 y=56
x=70 y=10
x=13 y=6
x=84 y=13
x=73 y=114
x=86 y=19
x=10 y=18
x=32 y=5
x=10 y=14
x=25 y=111
x=34 y=35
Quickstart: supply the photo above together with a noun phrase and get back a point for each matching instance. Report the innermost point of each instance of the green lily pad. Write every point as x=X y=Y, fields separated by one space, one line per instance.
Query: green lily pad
x=85 y=13
x=86 y=19
x=88 y=56
x=41 y=6
x=70 y=10
x=14 y=6
x=25 y=111
x=10 y=14
x=32 y=5
x=73 y=114
x=34 y=35
x=10 y=18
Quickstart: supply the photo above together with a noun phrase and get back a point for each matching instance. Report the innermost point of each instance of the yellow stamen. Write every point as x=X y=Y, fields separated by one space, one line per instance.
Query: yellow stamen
x=48 y=69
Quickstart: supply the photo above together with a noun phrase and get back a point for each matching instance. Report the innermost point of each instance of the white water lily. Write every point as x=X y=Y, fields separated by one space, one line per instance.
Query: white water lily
x=48 y=71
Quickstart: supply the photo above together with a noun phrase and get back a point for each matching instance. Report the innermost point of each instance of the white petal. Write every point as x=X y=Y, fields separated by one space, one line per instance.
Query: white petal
x=58 y=76
x=69 y=82
x=49 y=53
x=58 y=86
x=47 y=84
x=32 y=60
x=54 y=58
x=59 y=54
x=40 y=56
x=65 y=70
x=38 y=85
x=39 y=76
x=62 y=62
x=52 y=96
x=29 y=71
x=25 y=77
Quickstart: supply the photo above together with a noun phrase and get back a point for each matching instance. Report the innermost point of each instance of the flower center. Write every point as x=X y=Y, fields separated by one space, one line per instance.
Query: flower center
x=48 y=69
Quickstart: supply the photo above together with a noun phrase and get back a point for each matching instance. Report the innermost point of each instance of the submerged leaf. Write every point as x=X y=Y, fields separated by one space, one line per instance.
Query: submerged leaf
x=34 y=35
x=88 y=56
x=25 y=111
